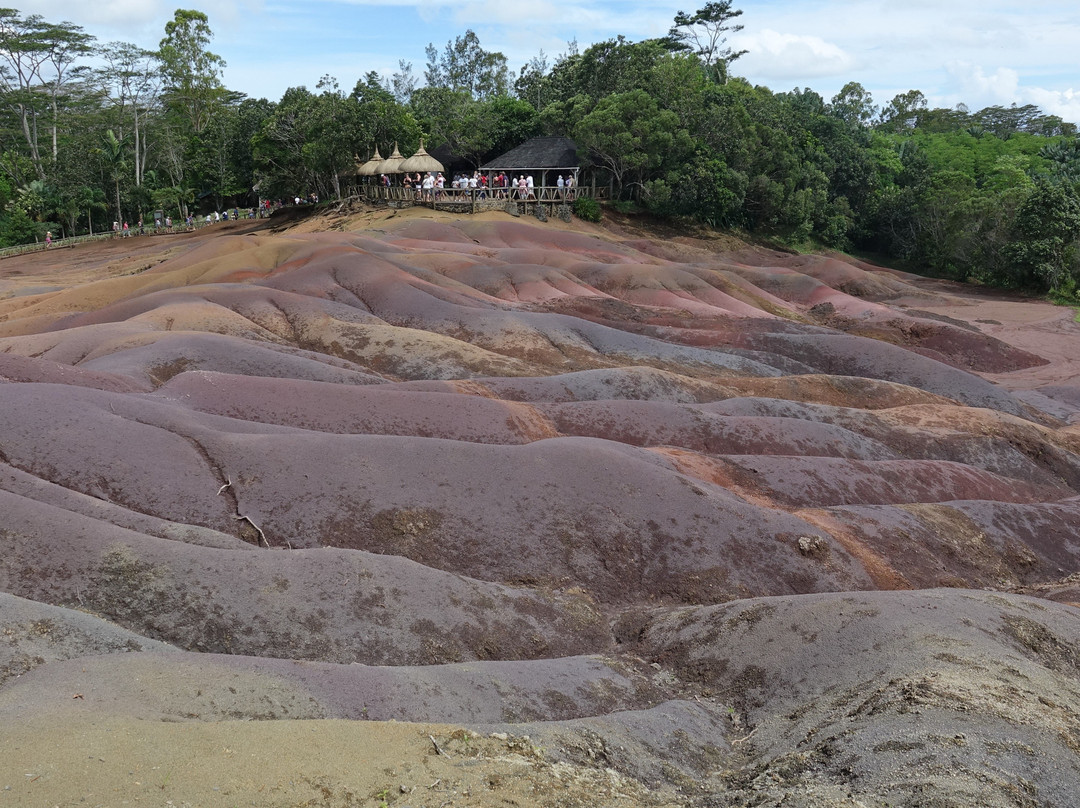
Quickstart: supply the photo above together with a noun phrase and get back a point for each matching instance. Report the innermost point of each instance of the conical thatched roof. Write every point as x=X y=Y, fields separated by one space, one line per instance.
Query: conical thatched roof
x=370 y=168
x=392 y=164
x=421 y=162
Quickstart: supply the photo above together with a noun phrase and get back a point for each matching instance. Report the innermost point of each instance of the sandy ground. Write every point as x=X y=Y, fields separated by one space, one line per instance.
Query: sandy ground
x=112 y=762
x=1034 y=325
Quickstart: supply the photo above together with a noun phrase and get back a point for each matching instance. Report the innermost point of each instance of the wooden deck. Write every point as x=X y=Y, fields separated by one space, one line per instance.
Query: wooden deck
x=475 y=200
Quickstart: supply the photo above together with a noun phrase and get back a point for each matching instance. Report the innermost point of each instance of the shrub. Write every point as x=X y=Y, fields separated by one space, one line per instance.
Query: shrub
x=587 y=208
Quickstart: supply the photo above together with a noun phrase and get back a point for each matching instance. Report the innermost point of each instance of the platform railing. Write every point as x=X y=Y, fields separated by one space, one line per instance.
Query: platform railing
x=546 y=194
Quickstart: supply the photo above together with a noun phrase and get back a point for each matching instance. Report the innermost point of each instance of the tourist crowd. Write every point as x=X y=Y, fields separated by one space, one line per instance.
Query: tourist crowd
x=433 y=186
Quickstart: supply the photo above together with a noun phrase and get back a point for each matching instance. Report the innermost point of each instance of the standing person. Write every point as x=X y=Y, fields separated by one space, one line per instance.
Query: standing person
x=115 y=229
x=168 y=224
x=127 y=232
x=48 y=239
x=570 y=186
x=529 y=185
x=142 y=230
x=560 y=184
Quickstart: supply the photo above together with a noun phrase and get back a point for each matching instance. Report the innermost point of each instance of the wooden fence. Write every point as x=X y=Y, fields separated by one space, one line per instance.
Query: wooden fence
x=71 y=241
x=473 y=199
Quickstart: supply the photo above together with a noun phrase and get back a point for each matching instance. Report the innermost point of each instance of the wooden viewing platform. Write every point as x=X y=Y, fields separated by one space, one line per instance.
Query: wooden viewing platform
x=475 y=200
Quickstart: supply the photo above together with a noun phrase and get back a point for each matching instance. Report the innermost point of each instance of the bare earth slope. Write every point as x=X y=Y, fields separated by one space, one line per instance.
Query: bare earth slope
x=423 y=510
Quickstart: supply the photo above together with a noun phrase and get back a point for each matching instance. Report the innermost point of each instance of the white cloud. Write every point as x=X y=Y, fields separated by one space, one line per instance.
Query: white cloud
x=1063 y=103
x=116 y=15
x=1005 y=86
x=999 y=87
x=777 y=55
x=543 y=12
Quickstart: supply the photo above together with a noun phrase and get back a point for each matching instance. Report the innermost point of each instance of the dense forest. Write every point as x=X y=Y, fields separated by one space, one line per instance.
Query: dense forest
x=97 y=132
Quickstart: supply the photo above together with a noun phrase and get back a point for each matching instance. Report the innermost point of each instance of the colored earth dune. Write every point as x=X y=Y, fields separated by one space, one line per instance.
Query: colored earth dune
x=710 y=524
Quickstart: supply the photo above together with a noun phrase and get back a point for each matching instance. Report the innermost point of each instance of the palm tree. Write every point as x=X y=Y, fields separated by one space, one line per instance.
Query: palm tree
x=112 y=153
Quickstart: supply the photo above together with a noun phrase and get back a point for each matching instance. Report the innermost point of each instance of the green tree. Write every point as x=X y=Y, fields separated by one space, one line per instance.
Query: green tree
x=1045 y=249
x=37 y=69
x=192 y=73
x=113 y=158
x=403 y=82
x=464 y=65
x=704 y=188
x=16 y=227
x=630 y=135
x=532 y=83
x=131 y=80
x=611 y=67
x=853 y=105
x=1064 y=159
x=704 y=32
x=902 y=113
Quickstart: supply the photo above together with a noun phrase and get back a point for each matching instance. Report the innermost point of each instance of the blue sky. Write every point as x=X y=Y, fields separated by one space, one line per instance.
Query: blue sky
x=980 y=52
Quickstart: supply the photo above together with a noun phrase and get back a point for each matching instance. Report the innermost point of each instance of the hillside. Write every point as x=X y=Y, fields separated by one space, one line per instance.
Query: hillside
x=408 y=508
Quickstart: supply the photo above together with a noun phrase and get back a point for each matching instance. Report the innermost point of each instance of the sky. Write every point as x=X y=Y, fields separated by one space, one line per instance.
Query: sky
x=978 y=52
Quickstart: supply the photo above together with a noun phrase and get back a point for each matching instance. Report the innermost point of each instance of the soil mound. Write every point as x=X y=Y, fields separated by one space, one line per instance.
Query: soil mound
x=520 y=513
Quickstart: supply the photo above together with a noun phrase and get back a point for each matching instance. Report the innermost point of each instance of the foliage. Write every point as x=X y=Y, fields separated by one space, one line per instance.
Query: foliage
x=192 y=73
x=93 y=133
x=704 y=33
x=1045 y=249
x=630 y=135
x=17 y=227
x=587 y=209
x=465 y=66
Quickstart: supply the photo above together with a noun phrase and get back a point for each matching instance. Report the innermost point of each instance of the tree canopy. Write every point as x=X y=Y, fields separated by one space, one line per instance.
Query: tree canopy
x=94 y=132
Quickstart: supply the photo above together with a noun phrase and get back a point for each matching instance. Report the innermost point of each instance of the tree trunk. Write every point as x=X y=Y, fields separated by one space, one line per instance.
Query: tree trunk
x=138 y=167
x=31 y=142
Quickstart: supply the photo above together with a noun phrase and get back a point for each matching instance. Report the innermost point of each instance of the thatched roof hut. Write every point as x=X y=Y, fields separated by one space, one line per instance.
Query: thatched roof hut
x=370 y=168
x=392 y=164
x=421 y=162
x=538 y=154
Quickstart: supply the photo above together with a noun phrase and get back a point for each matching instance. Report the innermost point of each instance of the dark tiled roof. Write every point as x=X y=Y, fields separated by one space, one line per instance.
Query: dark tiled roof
x=539 y=152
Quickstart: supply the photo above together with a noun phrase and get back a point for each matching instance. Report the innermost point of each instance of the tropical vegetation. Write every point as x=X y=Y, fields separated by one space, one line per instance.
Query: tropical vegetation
x=96 y=132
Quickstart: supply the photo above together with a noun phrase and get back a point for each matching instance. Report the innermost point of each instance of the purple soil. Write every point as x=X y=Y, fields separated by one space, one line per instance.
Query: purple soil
x=537 y=472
